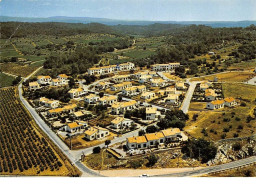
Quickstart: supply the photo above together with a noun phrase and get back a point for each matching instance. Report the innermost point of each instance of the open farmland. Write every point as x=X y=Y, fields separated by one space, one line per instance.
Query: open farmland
x=228 y=77
x=17 y=69
x=23 y=148
x=5 y=80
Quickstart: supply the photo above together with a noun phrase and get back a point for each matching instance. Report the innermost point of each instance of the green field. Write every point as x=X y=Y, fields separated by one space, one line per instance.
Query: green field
x=5 y=80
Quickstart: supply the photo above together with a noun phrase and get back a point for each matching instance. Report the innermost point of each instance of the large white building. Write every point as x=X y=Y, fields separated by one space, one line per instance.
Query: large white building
x=122 y=107
x=111 y=68
x=165 y=67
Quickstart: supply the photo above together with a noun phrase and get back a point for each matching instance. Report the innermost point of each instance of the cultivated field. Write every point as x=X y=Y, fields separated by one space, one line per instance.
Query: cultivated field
x=5 y=80
x=24 y=149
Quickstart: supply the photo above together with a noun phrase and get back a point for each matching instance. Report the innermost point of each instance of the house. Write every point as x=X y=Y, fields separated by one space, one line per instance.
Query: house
x=171 y=134
x=80 y=114
x=180 y=85
x=204 y=86
x=125 y=66
x=141 y=88
x=75 y=93
x=120 y=78
x=157 y=82
x=111 y=68
x=73 y=127
x=121 y=86
x=55 y=112
x=216 y=104
x=33 y=86
x=210 y=95
x=145 y=78
x=48 y=103
x=44 y=79
x=172 y=98
x=95 y=133
x=170 y=90
x=155 y=138
x=108 y=100
x=148 y=95
x=230 y=102
x=211 y=53
x=153 y=73
x=56 y=82
x=140 y=74
x=103 y=85
x=137 y=142
x=165 y=67
x=122 y=107
x=121 y=123
x=63 y=78
x=130 y=91
x=70 y=108
x=152 y=113
x=91 y=99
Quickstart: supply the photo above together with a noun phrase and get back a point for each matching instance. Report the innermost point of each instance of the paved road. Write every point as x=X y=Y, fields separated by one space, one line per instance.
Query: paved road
x=189 y=94
x=212 y=169
x=12 y=75
x=251 y=81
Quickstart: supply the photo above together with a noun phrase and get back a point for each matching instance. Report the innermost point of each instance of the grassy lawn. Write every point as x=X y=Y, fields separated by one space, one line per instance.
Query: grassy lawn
x=231 y=122
x=197 y=105
x=172 y=77
x=228 y=77
x=5 y=80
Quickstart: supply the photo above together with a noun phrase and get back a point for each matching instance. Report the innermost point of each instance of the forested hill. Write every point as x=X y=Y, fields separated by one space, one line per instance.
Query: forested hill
x=66 y=29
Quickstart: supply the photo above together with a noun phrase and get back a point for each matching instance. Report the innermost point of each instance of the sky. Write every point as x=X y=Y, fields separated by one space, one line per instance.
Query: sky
x=153 y=10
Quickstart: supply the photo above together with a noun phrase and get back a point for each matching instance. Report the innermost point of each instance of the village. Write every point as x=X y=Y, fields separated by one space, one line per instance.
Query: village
x=128 y=102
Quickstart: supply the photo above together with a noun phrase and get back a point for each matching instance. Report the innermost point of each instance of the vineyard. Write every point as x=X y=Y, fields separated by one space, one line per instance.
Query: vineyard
x=23 y=149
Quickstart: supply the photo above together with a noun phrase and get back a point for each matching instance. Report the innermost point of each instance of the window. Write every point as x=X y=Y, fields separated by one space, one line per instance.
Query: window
x=161 y=141
x=151 y=143
x=144 y=145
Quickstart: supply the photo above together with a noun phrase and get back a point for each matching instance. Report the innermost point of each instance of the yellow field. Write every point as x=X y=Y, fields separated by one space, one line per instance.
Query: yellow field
x=17 y=70
x=172 y=77
x=228 y=77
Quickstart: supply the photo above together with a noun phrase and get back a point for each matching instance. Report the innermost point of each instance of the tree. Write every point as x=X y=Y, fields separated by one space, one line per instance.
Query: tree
x=120 y=97
x=141 y=132
x=16 y=80
x=107 y=142
x=71 y=82
x=96 y=150
x=200 y=149
x=152 y=160
x=101 y=94
x=151 y=129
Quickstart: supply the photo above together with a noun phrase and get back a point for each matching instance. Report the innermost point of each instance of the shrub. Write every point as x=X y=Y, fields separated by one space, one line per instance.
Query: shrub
x=96 y=150
x=237 y=119
x=152 y=160
x=243 y=104
x=237 y=146
x=136 y=164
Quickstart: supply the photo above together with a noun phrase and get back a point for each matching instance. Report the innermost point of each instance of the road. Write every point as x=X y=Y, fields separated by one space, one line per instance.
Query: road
x=251 y=81
x=212 y=169
x=189 y=94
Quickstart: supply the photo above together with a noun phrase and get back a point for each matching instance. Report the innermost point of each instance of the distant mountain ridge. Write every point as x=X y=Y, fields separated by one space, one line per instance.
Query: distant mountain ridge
x=112 y=22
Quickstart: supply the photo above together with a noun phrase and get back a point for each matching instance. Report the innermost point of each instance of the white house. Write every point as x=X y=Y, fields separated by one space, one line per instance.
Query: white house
x=180 y=85
x=56 y=82
x=121 y=123
x=172 y=98
x=230 y=102
x=165 y=67
x=216 y=104
x=121 y=78
x=44 y=79
x=48 y=103
x=33 y=86
x=63 y=78
x=210 y=95
x=137 y=142
x=130 y=91
x=73 y=127
x=103 y=85
x=122 y=107
x=108 y=100
x=204 y=86
x=145 y=78
x=75 y=93
x=95 y=133
x=157 y=82
x=148 y=95
x=91 y=99
x=152 y=113
x=121 y=86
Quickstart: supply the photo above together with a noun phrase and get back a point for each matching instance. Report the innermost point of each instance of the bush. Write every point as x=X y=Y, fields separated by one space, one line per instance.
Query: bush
x=237 y=119
x=243 y=104
x=237 y=146
x=96 y=150
x=136 y=164
x=152 y=160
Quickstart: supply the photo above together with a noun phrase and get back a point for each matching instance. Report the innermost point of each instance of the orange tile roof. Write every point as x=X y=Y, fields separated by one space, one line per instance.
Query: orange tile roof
x=73 y=125
x=154 y=136
x=63 y=75
x=229 y=99
x=33 y=84
x=171 y=131
x=217 y=102
x=138 y=139
x=57 y=110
